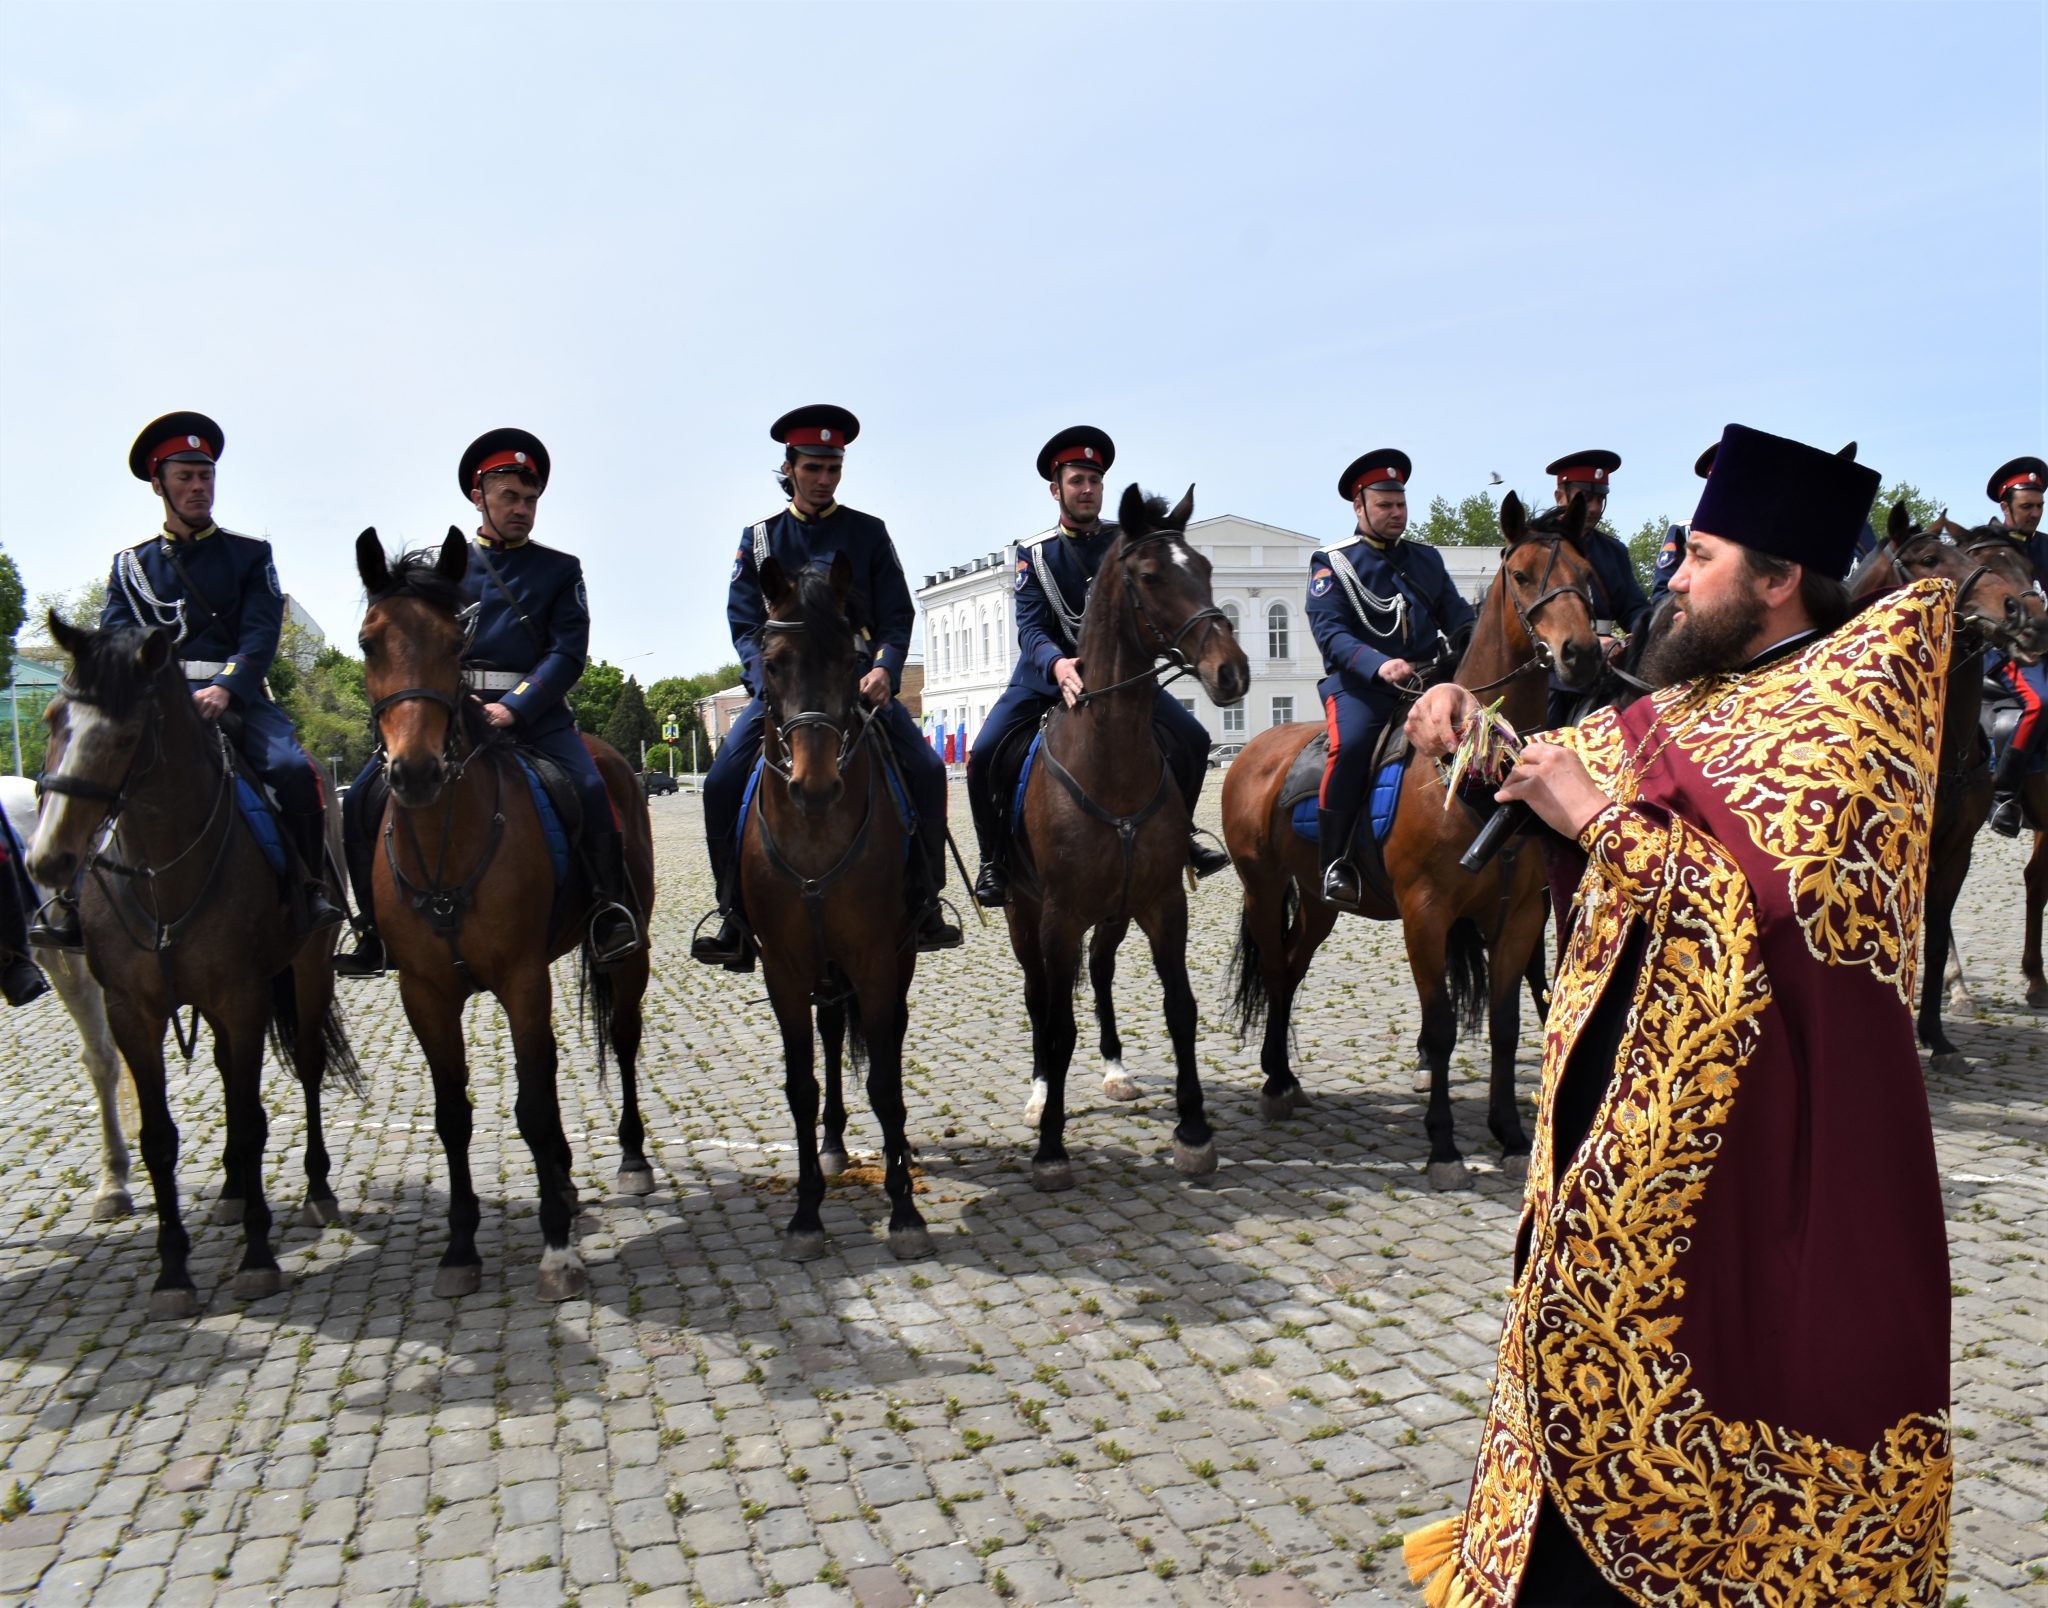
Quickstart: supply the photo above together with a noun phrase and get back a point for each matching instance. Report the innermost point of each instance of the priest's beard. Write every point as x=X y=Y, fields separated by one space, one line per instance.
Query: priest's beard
x=1705 y=642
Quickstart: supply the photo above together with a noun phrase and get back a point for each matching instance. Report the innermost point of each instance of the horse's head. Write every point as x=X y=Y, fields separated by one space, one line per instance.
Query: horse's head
x=1173 y=610
x=412 y=642
x=1996 y=590
x=1548 y=583
x=811 y=665
x=112 y=704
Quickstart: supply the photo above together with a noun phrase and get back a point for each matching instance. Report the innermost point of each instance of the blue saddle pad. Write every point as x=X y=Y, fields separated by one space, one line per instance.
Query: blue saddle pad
x=1024 y=776
x=550 y=823
x=903 y=805
x=262 y=823
x=1385 y=794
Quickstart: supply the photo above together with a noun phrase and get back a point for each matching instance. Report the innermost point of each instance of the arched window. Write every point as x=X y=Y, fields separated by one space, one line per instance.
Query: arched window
x=986 y=653
x=966 y=648
x=1277 y=644
x=1236 y=620
x=945 y=652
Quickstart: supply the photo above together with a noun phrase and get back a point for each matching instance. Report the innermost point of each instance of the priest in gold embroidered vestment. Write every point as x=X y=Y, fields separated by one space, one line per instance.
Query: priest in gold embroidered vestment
x=1723 y=1378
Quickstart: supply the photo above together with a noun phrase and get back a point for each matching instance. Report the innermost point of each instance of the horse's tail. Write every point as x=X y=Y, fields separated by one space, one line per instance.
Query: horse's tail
x=594 y=1004
x=1465 y=962
x=339 y=1056
x=1246 y=976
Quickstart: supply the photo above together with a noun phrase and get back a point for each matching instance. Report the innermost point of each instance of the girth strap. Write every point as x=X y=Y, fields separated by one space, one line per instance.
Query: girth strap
x=1126 y=825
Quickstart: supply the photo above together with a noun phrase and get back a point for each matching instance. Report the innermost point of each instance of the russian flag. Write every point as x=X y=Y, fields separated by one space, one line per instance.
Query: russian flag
x=948 y=752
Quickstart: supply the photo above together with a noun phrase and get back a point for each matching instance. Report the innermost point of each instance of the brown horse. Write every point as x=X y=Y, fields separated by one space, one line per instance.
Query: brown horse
x=467 y=903
x=179 y=907
x=1468 y=935
x=1997 y=606
x=821 y=873
x=2035 y=798
x=1103 y=835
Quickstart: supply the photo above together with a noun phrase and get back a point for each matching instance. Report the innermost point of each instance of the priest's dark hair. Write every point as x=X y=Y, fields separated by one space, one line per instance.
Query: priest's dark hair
x=1825 y=599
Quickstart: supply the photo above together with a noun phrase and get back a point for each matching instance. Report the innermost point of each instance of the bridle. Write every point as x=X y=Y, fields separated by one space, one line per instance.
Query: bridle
x=851 y=735
x=1889 y=551
x=1541 y=662
x=1164 y=647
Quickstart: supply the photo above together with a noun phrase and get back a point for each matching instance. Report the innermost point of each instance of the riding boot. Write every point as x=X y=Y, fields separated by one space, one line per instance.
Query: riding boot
x=934 y=931
x=731 y=946
x=20 y=979
x=992 y=879
x=1341 y=885
x=2006 y=782
x=56 y=924
x=1206 y=860
x=307 y=890
x=1189 y=772
x=366 y=959
x=614 y=930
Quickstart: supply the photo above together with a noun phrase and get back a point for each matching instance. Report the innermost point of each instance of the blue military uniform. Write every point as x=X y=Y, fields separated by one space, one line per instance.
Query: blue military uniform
x=883 y=615
x=1370 y=602
x=2028 y=751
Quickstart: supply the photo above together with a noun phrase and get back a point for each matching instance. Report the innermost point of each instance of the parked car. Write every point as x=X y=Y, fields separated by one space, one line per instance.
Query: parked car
x=1223 y=753
x=659 y=782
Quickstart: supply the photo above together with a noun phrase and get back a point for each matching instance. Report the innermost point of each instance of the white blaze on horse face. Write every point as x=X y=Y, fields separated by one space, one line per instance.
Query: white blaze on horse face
x=88 y=738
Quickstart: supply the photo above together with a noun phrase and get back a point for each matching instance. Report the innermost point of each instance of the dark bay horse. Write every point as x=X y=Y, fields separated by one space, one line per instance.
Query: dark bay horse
x=179 y=907
x=467 y=902
x=821 y=872
x=1996 y=606
x=1469 y=936
x=1104 y=831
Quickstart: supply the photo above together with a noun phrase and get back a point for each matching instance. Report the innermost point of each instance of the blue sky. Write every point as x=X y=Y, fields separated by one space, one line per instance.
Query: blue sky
x=1249 y=241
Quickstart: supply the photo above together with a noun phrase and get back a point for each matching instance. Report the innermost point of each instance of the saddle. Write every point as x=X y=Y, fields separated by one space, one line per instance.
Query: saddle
x=1303 y=785
x=2000 y=715
x=1009 y=772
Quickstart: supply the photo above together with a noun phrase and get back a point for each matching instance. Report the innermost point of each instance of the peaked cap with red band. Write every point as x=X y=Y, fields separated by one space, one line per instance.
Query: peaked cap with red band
x=175 y=438
x=2022 y=474
x=1383 y=466
x=817 y=431
x=1585 y=468
x=1080 y=443
x=502 y=449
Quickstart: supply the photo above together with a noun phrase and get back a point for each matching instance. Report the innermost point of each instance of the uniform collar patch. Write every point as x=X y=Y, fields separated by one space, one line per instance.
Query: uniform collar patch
x=831 y=508
x=170 y=539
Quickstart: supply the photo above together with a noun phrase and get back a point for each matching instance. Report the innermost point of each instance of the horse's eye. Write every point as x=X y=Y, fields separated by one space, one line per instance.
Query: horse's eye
x=1150 y=578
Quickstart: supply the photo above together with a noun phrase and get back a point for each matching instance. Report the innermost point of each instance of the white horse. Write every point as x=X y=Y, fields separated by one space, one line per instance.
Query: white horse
x=75 y=985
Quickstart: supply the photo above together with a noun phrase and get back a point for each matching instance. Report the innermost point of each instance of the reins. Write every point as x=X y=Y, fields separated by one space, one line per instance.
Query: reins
x=1165 y=648
x=1540 y=663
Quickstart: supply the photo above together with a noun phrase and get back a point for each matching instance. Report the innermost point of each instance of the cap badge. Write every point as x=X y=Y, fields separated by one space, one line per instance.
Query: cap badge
x=824 y=435
x=191 y=441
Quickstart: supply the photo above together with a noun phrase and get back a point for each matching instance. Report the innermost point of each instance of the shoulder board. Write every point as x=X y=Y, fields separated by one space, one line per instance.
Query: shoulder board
x=1337 y=547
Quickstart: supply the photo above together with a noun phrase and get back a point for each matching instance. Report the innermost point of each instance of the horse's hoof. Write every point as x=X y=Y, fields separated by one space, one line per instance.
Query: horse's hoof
x=1279 y=1107
x=113 y=1205
x=174 y=1303
x=1422 y=1081
x=1034 y=1108
x=1117 y=1084
x=2037 y=998
x=451 y=1283
x=1051 y=1175
x=910 y=1243
x=1448 y=1175
x=1515 y=1167
x=831 y=1162
x=227 y=1211
x=635 y=1181
x=254 y=1283
x=1196 y=1162
x=1948 y=1063
x=805 y=1246
x=564 y=1281
x=319 y=1213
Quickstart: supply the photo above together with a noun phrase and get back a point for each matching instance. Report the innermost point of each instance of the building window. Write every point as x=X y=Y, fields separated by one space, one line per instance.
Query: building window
x=1186 y=703
x=1236 y=620
x=1283 y=711
x=1233 y=720
x=1277 y=645
x=987 y=657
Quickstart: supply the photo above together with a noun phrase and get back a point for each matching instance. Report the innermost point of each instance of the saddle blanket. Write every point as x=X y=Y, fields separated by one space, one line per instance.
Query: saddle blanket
x=1385 y=793
x=904 y=812
x=551 y=826
x=262 y=823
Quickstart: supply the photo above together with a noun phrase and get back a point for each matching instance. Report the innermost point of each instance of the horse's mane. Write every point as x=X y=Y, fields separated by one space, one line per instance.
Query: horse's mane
x=104 y=672
x=415 y=574
x=1156 y=510
x=820 y=611
x=1551 y=522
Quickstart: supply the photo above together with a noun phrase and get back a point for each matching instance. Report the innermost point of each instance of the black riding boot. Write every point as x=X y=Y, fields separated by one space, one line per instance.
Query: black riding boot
x=992 y=879
x=56 y=924
x=366 y=959
x=614 y=929
x=1341 y=885
x=1188 y=773
x=20 y=979
x=306 y=889
x=934 y=931
x=731 y=946
x=2006 y=782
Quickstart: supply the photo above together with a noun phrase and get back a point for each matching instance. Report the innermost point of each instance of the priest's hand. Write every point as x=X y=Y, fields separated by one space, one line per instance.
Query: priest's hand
x=1552 y=782
x=1437 y=719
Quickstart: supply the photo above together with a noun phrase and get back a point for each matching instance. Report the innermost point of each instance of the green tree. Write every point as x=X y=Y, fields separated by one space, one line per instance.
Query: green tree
x=328 y=705
x=1473 y=522
x=629 y=724
x=1643 y=548
x=81 y=607
x=1918 y=503
x=11 y=609
x=593 y=696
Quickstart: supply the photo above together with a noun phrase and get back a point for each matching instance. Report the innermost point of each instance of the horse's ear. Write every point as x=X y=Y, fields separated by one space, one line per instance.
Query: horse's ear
x=153 y=652
x=1183 y=511
x=842 y=580
x=66 y=635
x=1898 y=524
x=1131 y=511
x=1513 y=519
x=371 y=563
x=774 y=583
x=1575 y=520
x=453 y=563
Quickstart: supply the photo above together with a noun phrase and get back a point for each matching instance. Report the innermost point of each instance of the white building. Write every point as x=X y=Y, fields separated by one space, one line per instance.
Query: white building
x=1260 y=580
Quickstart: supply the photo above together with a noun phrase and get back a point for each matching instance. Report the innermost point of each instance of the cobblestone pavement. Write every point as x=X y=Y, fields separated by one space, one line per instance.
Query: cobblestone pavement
x=1145 y=1390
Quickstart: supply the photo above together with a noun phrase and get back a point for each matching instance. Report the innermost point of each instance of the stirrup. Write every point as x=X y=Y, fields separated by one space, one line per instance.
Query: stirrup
x=934 y=932
x=735 y=955
x=2006 y=815
x=1332 y=895
x=624 y=943
x=992 y=885
x=1202 y=859
x=366 y=959
x=56 y=926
